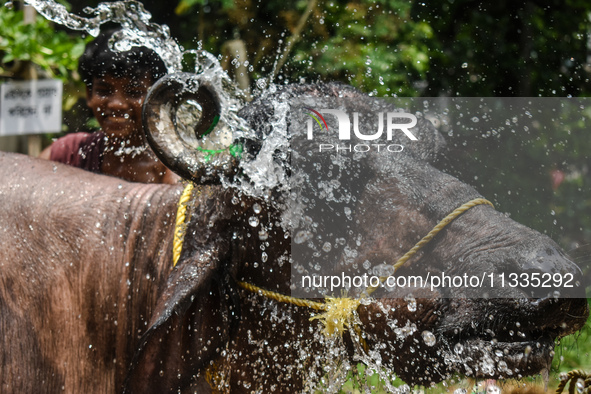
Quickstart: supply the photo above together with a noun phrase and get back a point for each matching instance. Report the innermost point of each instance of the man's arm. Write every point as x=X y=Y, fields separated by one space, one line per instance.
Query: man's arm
x=46 y=153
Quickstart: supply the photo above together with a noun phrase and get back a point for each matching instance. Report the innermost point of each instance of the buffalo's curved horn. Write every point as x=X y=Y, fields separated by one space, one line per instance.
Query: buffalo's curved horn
x=181 y=117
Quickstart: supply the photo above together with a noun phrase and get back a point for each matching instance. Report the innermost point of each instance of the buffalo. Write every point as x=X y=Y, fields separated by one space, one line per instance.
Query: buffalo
x=90 y=300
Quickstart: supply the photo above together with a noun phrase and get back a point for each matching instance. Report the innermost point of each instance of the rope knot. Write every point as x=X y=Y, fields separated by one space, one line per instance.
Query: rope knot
x=338 y=315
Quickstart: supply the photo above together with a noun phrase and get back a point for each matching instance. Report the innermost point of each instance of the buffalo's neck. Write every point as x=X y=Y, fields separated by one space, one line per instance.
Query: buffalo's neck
x=93 y=254
x=143 y=232
x=261 y=250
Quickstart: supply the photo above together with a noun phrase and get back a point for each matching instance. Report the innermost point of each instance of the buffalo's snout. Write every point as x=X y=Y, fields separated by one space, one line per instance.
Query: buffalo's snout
x=554 y=287
x=547 y=273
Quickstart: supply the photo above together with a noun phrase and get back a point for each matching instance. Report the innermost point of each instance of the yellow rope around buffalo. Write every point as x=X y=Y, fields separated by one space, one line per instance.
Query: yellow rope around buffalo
x=181 y=225
x=427 y=238
x=337 y=313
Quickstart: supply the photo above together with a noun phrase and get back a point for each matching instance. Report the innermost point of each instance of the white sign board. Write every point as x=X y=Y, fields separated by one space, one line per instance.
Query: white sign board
x=31 y=107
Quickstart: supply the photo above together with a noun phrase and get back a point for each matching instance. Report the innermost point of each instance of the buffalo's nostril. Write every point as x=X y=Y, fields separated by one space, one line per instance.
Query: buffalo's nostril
x=548 y=274
x=549 y=260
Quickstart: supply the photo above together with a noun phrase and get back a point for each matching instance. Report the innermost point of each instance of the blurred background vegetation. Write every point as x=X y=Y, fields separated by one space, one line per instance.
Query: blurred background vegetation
x=449 y=48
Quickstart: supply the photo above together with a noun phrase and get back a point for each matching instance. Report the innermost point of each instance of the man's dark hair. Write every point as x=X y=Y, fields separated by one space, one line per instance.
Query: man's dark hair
x=99 y=60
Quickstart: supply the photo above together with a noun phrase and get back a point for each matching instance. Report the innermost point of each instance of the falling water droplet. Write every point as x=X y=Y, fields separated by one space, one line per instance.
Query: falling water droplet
x=487 y=368
x=301 y=237
x=527 y=350
x=261 y=83
x=563 y=376
x=263 y=235
x=580 y=385
x=429 y=338
x=493 y=389
x=412 y=303
x=253 y=221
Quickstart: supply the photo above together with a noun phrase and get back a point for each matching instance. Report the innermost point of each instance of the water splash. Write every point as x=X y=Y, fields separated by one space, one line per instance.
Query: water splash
x=263 y=173
x=137 y=30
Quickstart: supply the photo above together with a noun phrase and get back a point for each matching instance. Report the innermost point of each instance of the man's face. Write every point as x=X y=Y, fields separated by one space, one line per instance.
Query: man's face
x=117 y=104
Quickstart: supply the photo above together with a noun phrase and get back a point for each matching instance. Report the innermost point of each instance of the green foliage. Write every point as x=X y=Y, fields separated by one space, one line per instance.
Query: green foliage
x=507 y=48
x=395 y=47
x=376 y=47
x=574 y=352
x=54 y=51
x=185 y=6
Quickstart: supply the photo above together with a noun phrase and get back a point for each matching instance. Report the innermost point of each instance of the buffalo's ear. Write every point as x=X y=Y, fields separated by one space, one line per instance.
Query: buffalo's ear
x=192 y=322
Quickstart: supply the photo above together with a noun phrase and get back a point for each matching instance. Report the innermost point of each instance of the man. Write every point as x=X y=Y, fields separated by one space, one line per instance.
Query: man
x=116 y=85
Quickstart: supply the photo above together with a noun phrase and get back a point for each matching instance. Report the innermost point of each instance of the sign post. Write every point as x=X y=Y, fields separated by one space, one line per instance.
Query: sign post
x=31 y=107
